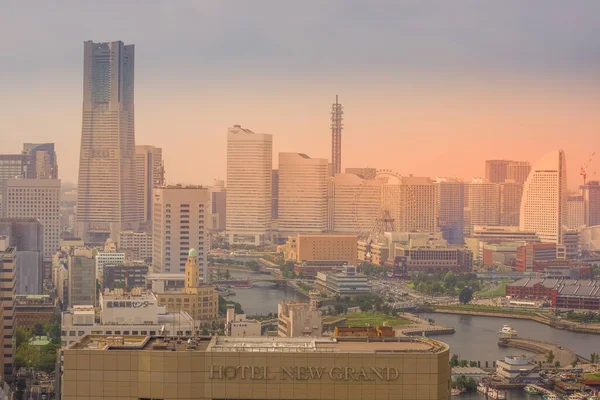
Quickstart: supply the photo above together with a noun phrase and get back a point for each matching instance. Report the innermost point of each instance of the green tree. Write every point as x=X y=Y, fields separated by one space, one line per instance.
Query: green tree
x=450 y=280
x=27 y=356
x=465 y=296
x=557 y=364
x=550 y=357
x=227 y=274
x=38 y=330
x=595 y=358
x=22 y=335
x=454 y=360
x=463 y=363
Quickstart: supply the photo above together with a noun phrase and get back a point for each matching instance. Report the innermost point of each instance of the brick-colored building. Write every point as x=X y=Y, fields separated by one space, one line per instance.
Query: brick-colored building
x=564 y=293
x=33 y=309
x=532 y=253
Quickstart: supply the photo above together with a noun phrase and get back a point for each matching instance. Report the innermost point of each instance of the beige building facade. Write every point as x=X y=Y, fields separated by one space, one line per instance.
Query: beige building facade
x=326 y=247
x=149 y=173
x=256 y=368
x=8 y=275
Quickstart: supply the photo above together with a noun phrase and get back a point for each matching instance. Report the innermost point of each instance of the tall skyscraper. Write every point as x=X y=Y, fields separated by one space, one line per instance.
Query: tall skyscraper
x=106 y=201
x=36 y=198
x=337 y=112
x=450 y=199
x=510 y=202
x=148 y=175
x=591 y=198
x=8 y=267
x=302 y=194
x=275 y=194
x=412 y=204
x=575 y=211
x=249 y=190
x=544 y=202
x=82 y=278
x=518 y=171
x=27 y=236
x=483 y=203
x=495 y=171
x=42 y=162
x=179 y=223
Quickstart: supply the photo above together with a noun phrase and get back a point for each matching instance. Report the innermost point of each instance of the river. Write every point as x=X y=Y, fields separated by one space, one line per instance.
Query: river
x=263 y=297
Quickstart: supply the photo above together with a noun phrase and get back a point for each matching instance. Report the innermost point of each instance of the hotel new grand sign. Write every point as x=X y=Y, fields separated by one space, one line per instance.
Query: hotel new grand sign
x=264 y=373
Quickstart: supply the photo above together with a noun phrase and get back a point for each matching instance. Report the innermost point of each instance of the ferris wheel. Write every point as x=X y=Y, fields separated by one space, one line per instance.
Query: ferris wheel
x=373 y=204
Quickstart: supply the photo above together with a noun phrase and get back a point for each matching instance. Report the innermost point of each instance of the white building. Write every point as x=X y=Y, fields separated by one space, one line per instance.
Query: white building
x=300 y=319
x=591 y=198
x=237 y=325
x=106 y=191
x=249 y=177
x=544 y=202
x=179 y=224
x=137 y=245
x=36 y=198
x=302 y=194
x=123 y=315
x=148 y=175
x=103 y=259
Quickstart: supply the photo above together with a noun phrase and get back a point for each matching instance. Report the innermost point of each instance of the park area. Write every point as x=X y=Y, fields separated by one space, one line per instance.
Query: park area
x=366 y=318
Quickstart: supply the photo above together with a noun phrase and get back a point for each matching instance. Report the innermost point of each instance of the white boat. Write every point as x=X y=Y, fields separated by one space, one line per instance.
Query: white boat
x=507 y=330
x=577 y=396
x=457 y=391
x=482 y=388
x=496 y=394
x=549 y=396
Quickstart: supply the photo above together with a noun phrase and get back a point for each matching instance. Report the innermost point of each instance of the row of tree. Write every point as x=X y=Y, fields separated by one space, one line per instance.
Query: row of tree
x=445 y=283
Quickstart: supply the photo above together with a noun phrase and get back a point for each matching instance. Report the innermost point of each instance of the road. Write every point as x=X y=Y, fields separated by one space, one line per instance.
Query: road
x=35 y=393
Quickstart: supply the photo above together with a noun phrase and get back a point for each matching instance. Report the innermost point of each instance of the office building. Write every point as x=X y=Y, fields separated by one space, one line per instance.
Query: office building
x=575 y=217
x=517 y=171
x=433 y=256
x=317 y=253
x=27 y=236
x=275 y=194
x=355 y=203
x=590 y=239
x=249 y=190
x=302 y=195
x=572 y=243
x=300 y=319
x=104 y=258
x=82 y=278
x=124 y=276
x=591 y=198
x=179 y=224
x=12 y=166
x=124 y=314
x=495 y=171
x=106 y=192
x=364 y=173
x=483 y=203
x=499 y=255
x=343 y=281
x=41 y=161
x=36 y=198
x=534 y=256
x=510 y=202
x=450 y=201
x=8 y=265
x=217 y=205
x=137 y=245
x=544 y=203
x=222 y=367
x=412 y=204
x=199 y=300
x=149 y=174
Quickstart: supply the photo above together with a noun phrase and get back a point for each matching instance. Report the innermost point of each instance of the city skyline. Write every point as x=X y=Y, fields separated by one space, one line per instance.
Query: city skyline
x=481 y=99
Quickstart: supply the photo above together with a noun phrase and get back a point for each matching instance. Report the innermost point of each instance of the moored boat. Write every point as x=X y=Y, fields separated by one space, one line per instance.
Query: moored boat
x=507 y=330
x=529 y=389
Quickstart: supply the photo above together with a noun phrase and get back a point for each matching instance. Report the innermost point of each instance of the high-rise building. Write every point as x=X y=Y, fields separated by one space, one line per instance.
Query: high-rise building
x=483 y=202
x=217 y=205
x=82 y=278
x=249 y=191
x=337 y=112
x=544 y=202
x=27 y=236
x=103 y=259
x=575 y=211
x=36 y=198
x=450 y=199
x=136 y=245
x=412 y=204
x=8 y=268
x=591 y=198
x=12 y=166
x=106 y=193
x=510 y=202
x=302 y=194
x=518 y=171
x=344 y=190
x=41 y=161
x=275 y=194
x=300 y=319
x=495 y=170
x=179 y=224
x=365 y=173
x=148 y=175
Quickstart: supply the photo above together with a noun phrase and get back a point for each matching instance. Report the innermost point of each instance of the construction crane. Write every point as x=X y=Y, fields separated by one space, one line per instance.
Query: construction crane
x=583 y=171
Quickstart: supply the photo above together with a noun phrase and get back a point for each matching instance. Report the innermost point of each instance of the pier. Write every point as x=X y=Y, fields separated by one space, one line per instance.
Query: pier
x=564 y=356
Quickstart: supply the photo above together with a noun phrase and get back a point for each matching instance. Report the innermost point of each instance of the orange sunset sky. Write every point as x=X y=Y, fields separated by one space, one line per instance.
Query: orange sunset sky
x=428 y=89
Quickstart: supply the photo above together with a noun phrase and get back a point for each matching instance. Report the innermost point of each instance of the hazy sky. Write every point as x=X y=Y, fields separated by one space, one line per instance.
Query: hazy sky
x=429 y=87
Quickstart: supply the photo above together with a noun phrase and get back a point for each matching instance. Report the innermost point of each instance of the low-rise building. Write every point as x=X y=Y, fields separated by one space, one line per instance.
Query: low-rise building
x=33 y=309
x=221 y=367
x=199 y=300
x=320 y=252
x=300 y=319
x=517 y=367
x=82 y=277
x=343 y=281
x=534 y=257
x=237 y=325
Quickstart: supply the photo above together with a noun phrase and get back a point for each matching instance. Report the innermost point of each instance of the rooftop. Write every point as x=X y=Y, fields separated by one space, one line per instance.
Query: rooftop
x=260 y=344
